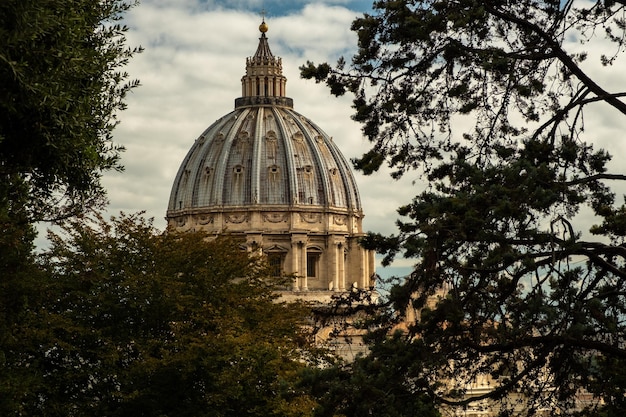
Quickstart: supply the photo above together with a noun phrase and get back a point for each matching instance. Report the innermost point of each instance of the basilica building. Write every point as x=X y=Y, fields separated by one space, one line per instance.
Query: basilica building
x=270 y=176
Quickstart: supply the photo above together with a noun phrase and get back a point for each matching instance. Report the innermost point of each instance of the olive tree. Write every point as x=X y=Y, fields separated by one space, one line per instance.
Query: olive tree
x=62 y=89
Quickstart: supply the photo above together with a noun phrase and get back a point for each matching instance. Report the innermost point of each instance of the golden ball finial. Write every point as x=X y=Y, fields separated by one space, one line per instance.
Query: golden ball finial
x=263 y=27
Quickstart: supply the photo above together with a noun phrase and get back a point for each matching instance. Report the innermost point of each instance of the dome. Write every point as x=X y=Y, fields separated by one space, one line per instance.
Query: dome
x=268 y=155
x=273 y=177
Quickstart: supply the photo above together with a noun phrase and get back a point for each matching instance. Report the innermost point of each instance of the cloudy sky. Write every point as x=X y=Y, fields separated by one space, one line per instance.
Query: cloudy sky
x=190 y=71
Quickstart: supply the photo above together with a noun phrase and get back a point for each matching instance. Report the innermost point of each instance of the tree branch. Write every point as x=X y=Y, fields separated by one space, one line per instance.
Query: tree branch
x=552 y=340
x=595 y=177
x=499 y=391
x=562 y=56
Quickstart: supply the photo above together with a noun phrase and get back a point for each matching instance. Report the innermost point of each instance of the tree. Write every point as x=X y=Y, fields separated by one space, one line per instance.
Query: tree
x=485 y=100
x=136 y=323
x=370 y=385
x=61 y=91
x=60 y=94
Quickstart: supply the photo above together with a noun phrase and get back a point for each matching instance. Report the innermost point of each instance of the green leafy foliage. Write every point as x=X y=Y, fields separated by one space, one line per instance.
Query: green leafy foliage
x=61 y=91
x=483 y=100
x=373 y=385
x=133 y=322
x=60 y=94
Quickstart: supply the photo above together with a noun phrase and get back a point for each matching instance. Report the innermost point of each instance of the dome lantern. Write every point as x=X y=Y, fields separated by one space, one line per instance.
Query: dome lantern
x=264 y=82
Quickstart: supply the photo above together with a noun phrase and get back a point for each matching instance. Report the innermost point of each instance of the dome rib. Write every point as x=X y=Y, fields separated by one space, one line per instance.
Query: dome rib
x=179 y=192
x=202 y=166
x=256 y=165
x=224 y=160
x=292 y=192
x=349 y=183
x=321 y=162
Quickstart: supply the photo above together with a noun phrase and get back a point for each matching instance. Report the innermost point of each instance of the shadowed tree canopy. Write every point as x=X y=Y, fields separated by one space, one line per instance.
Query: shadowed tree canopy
x=484 y=100
x=62 y=88
x=130 y=322
x=370 y=385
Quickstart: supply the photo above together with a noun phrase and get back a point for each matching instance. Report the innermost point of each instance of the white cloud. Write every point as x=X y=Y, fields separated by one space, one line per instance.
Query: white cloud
x=190 y=74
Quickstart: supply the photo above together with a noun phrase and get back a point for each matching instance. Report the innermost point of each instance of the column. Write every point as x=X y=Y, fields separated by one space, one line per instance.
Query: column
x=332 y=265
x=298 y=260
x=365 y=274
x=372 y=264
x=303 y=264
x=295 y=248
x=341 y=268
x=337 y=262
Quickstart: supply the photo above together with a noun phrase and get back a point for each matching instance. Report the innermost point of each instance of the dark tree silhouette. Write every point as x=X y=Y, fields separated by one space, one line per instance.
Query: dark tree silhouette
x=485 y=101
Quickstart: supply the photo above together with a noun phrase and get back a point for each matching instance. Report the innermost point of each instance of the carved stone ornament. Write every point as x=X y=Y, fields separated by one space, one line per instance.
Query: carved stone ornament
x=311 y=217
x=297 y=137
x=205 y=219
x=180 y=221
x=275 y=217
x=236 y=218
x=339 y=220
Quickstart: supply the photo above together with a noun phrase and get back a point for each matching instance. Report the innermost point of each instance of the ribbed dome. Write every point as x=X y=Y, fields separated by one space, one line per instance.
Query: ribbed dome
x=264 y=152
x=267 y=155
